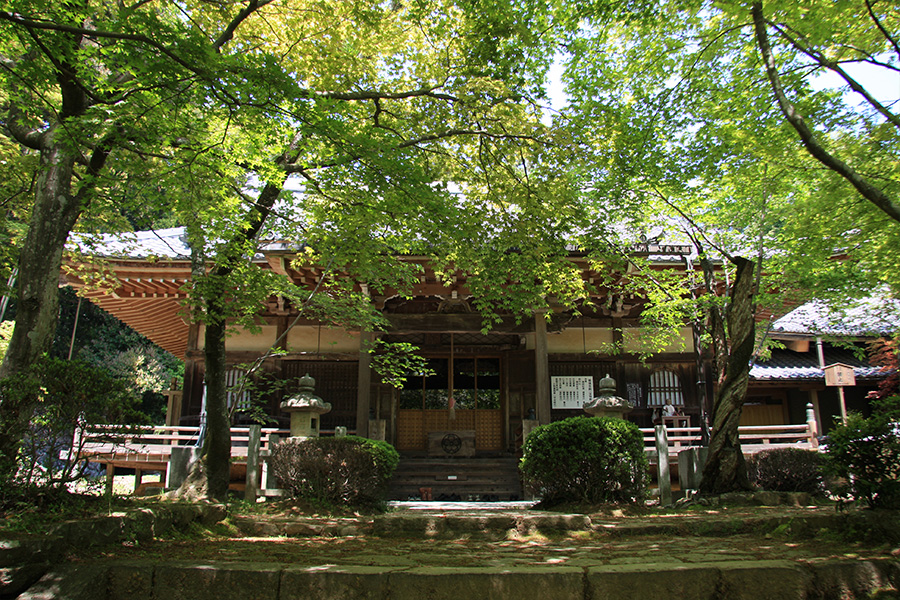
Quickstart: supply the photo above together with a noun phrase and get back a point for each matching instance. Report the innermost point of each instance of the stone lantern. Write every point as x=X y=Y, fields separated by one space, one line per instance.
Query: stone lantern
x=305 y=408
x=607 y=404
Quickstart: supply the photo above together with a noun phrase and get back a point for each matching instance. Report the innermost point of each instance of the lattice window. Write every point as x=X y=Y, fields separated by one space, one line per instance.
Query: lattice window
x=665 y=388
x=336 y=382
x=240 y=400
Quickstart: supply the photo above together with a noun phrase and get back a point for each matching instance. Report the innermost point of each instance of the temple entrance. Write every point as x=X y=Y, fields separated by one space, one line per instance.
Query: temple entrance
x=456 y=394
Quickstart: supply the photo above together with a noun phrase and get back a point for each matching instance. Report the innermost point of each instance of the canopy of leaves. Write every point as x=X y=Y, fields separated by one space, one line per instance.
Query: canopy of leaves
x=678 y=116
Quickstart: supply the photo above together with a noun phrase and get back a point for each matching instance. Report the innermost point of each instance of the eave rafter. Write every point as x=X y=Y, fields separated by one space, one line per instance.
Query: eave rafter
x=146 y=295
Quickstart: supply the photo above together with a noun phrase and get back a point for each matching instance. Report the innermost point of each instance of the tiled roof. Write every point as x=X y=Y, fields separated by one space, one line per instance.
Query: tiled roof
x=162 y=243
x=170 y=243
x=788 y=365
x=870 y=317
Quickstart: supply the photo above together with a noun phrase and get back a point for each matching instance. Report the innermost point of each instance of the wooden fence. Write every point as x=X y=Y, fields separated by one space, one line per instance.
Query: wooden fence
x=753 y=438
x=149 y=449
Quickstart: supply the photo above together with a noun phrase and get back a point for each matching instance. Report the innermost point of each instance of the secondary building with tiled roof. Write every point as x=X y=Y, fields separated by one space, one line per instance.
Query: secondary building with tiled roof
x=814 y=336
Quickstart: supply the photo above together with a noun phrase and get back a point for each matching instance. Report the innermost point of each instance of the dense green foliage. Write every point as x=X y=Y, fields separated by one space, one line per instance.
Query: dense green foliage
x=205 y=111
x=64 y=396
x=346 y=471
x=866 y=454
x=733 y=126
x=787 y=470
x=586 y=460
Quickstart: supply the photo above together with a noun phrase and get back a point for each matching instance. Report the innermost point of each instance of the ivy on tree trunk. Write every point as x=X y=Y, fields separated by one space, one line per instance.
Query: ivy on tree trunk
x=725 y=470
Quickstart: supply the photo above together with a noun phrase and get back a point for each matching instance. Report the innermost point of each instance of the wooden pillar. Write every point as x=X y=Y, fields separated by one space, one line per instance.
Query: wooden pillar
x=541 y=369
x=188 y=399
x=281 y=327
x=110 y=475
x=173 y=404
x=364 y=384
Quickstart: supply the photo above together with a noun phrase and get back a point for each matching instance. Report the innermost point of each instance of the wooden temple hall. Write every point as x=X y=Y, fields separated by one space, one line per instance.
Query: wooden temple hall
x=485 y=388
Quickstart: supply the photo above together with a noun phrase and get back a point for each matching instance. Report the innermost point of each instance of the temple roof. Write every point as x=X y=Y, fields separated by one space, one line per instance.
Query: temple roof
x=870 y=317
x=787 y=365
x=161 y=243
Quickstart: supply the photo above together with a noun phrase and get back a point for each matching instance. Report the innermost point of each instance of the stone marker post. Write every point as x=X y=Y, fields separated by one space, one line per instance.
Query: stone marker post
x=268 y=482
x=812 y=425
x=662 y=459
x=252 y=482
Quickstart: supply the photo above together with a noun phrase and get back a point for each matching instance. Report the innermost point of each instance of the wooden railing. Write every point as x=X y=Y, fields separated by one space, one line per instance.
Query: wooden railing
x=144 y=442
x=148 y=448
x=753 y=438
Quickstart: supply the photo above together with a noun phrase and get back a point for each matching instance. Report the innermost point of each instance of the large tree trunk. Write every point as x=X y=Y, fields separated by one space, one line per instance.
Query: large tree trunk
x=217 y=445
x=53 y=216
x=725 y=470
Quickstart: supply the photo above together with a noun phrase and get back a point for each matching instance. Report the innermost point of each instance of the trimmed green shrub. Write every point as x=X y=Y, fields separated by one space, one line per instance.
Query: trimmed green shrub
x=345 y=471
x=787 y=470
x=587 y=460
x=383 y=454
x=866 y=454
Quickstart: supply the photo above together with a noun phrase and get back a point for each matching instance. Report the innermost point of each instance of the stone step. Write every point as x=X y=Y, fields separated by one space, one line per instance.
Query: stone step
x=456 y=551
x=209 y=580
x=460 y=479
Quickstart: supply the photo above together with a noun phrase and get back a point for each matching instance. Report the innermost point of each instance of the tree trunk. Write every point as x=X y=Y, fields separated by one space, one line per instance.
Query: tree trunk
x=217 y=445
x=725 y=470
x=40 y=260
x=213 y=472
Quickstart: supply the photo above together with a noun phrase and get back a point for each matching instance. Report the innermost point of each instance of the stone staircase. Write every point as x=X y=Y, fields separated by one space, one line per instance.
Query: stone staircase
x=457 y=479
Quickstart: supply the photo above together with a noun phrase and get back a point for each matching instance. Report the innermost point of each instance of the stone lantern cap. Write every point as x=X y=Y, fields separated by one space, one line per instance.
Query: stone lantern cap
x=607 y=403
x=305 y=399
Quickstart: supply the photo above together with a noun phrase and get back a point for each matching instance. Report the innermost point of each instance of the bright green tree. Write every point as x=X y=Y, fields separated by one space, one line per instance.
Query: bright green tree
x=372 y=107
x=692 y=110
x=374 y=149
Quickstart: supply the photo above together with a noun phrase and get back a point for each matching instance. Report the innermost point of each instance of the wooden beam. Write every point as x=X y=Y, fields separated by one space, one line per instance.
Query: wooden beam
x=452 y=323
x=364 y=384
x=541 y=369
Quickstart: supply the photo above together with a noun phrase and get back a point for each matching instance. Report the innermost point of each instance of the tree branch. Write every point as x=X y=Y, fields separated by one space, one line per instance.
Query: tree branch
x=376 y=95
x=143 y=39
x=875 y=195
x=252 y=7
x=697 y=228
x=27 y=136
x=836 y=67
x=881 y=28
x=292 y=168
x=95 y=165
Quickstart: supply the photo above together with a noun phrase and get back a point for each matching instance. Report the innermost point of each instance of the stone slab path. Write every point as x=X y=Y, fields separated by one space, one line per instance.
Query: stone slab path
x=504 y=552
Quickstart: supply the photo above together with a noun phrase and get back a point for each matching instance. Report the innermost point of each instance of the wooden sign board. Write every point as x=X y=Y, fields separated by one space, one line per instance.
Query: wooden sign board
x=663 y=249
x=839 y=375
x=571 y=391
